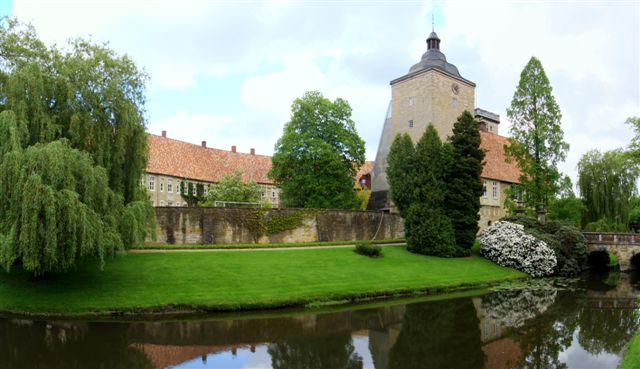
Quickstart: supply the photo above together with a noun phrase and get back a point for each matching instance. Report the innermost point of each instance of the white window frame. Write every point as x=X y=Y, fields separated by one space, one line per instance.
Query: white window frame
x=161 y=184
x=485 y=191
x=161 y=202
x=412 y=100
x=495 y=189
x=170 y=185
x=152 y=183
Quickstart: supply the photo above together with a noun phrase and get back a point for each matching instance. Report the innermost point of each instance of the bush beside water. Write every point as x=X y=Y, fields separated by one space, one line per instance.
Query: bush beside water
x=366 y=249
x=567 y=242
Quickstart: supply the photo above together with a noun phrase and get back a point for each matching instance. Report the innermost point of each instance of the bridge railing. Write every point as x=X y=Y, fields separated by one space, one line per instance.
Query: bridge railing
x=612 y=238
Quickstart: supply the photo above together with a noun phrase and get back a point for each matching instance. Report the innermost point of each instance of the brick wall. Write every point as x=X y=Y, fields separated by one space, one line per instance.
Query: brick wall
x=198 y=225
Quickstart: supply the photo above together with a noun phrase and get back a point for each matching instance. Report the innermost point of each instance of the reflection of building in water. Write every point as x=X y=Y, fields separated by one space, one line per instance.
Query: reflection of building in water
x=500 y=353
x=170 y=344
x=490 y=329
x=167 y=356
x=622 y=296
x=380 y=343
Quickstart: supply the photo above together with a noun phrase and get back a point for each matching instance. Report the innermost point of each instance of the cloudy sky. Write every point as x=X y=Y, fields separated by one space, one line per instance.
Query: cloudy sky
x=227 y=71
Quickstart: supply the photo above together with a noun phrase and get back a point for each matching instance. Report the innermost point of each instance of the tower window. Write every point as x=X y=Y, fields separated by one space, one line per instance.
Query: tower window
x=411 y=123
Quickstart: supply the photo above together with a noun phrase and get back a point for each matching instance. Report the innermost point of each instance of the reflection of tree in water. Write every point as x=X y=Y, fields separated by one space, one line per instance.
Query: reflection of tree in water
x=315 y=352
x=540 y=317
x=513 y=308
x=606 y=330
x=33 y=345
x=438 y=334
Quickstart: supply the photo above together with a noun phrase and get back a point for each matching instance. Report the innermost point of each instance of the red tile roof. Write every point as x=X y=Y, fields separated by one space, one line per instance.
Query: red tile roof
x=182 y=159
x=495 y=166
x=366 y=168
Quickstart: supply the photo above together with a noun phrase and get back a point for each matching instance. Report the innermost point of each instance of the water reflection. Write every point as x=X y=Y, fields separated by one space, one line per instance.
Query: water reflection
x=584 y=323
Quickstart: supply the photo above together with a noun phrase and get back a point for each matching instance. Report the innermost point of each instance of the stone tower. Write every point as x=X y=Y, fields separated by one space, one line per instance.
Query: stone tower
x=432 y=92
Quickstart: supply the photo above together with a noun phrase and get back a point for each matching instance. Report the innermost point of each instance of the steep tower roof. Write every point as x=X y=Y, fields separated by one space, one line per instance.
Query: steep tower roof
x=434 y=59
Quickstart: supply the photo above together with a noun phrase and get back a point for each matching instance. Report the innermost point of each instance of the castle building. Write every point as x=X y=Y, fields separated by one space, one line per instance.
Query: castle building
x=434 y=92
x=172 y=162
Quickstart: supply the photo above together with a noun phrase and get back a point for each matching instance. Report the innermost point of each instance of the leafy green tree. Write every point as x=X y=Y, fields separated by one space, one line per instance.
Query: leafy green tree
x=570 y=209
x=537 y=141
x=634 y=148
x=464 y=187
x=401 y=166
x=607 y=183
x=318 y=155
x=74 y=154
x=231 y=187
x=86 y=93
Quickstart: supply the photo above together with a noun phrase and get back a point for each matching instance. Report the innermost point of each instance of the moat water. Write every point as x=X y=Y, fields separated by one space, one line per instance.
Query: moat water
x=579 y=323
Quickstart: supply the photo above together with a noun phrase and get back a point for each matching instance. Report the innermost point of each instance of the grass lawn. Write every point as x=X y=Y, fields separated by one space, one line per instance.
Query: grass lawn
x=239 y=280
x=632 y=355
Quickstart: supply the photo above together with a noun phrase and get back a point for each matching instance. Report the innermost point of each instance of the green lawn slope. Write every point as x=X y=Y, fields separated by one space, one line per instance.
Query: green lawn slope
x=170 y=282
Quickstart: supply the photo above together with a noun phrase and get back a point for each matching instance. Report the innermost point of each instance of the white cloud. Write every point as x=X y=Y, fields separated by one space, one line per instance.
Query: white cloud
x=278 y=50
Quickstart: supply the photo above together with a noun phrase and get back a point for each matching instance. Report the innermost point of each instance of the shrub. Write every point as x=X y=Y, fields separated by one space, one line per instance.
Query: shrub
x=507 y=244
x=429 y=232
x=567 y=242
x=366 y=249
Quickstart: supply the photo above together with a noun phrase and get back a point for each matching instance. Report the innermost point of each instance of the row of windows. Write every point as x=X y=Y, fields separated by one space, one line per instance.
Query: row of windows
x=494 y=189
x=161 y=187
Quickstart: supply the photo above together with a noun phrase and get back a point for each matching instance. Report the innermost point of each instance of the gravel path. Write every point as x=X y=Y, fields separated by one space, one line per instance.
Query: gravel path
x=161 y=251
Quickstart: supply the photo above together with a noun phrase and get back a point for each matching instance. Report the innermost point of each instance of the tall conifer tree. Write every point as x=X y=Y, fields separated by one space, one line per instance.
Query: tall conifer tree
x=401 y=164
x=537 y=141
x=464 y=186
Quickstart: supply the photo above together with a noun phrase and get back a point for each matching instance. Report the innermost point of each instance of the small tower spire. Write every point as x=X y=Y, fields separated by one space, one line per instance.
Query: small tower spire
x=432 y=23
x=433 y=42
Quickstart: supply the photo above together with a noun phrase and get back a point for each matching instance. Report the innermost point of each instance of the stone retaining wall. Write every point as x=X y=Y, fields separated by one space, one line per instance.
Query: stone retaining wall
x=200 y=225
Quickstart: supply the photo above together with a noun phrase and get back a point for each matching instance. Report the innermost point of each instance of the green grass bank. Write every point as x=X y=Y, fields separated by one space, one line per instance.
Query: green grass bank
x=632 y=354
x=230 y=281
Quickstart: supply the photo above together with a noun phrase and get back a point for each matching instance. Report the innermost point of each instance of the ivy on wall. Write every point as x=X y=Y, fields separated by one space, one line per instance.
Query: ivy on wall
x=260 y=222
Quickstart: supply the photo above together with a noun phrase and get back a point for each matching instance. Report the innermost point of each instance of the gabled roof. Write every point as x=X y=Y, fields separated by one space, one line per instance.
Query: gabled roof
x=366 y=168
x=495 y=165
x=182 y=159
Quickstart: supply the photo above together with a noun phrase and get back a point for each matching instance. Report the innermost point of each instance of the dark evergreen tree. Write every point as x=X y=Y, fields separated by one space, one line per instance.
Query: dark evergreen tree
x=464 y=187
x=428 y=229
x=401 y=165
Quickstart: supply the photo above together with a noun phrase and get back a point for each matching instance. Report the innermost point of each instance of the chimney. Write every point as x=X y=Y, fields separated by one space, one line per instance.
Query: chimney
x=233 y=148
x=204 y=143
x=164 y=134
x=253 y=151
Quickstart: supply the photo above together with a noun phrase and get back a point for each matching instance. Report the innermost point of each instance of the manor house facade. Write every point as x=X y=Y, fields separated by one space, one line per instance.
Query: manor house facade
x=434 y=92
x=172 y=162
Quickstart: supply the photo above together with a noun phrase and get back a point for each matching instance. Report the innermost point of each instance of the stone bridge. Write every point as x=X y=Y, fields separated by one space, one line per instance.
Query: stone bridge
x=624 y=245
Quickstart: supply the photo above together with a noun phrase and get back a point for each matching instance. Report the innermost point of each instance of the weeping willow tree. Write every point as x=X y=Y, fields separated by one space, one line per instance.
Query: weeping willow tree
x=72 y=152
x=607 y=182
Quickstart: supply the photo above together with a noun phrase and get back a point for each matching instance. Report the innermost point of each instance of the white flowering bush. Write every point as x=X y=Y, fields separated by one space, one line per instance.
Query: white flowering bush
x=507 y=244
